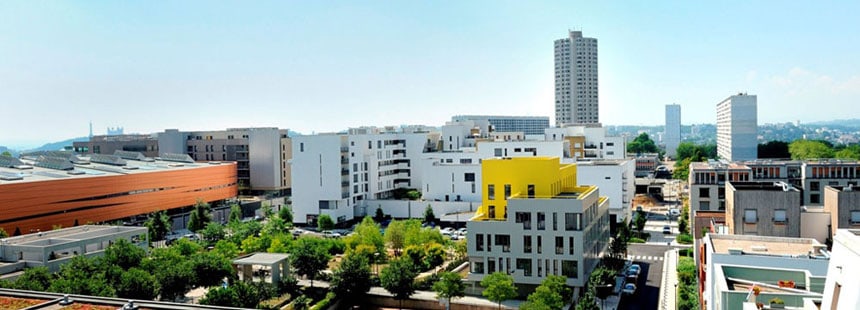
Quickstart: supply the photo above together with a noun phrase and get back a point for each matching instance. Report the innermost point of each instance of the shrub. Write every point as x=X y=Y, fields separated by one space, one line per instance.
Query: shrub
x=636 y=240
x=325 y=302
x=684 y=239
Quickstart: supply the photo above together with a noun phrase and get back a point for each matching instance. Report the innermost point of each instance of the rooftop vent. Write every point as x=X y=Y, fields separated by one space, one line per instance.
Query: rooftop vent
x=736 y=251
x=759 y=248
x=107 y=159
x=182 y=158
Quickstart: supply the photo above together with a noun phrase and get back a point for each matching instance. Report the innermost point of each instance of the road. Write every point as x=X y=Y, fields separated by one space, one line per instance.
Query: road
x=650 y=258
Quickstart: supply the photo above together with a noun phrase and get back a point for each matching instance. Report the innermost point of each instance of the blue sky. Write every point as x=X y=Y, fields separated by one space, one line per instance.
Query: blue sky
x=319 y=66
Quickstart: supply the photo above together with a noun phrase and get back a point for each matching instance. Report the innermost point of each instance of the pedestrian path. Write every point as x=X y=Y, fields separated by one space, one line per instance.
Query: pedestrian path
x=644 y=258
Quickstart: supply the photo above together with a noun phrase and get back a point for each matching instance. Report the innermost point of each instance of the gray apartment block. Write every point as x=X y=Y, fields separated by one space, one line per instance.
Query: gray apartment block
x=763 y=208
x=843 y=204
x=737 y=127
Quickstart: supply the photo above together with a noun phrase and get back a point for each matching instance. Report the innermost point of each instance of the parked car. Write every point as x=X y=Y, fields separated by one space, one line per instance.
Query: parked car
x=446 y=231
x=635 y=268
x=674 y=212
x=330 y=234
x=629 y=289
x=667 y=229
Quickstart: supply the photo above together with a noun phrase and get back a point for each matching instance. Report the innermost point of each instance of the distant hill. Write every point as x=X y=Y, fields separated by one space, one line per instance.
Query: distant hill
x=852 y=123
x=56 y=146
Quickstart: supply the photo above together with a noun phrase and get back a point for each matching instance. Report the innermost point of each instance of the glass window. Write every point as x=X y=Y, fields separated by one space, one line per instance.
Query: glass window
x=704 y=205
x=855 y=217
x=779 y=216
x=491 y=192
x=491 y=266
x=541 y=221
x=478 y=267
x=554 y=221
x=531 y=190
x=573 y=221
x=559 y=245
x=507 y=191
x=527 y=244
x=570 y=246
x=469 y=177
x=504 y=241
x=704 y=192
x=814 y=186
x=525 y=218
x=815 y=198
x=750 y=216
x=497 y=152
x=570 y=268
x=479 y=245
x=525 y=264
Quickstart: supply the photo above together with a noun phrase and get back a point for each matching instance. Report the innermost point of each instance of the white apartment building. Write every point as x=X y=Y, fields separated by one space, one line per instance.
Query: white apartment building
x=339 y=171
x=530 y=125
x=589 y=142
x=576 y=95
x=261 y=154
x=737 y=128
x=842 y=285
x=672 y=131
x=616 y=181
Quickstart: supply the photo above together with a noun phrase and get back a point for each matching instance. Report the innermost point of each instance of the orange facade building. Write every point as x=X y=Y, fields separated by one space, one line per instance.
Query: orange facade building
x=44 y=198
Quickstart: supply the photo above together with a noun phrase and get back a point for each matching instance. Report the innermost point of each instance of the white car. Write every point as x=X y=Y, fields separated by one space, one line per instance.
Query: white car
x=446 y=231
x=331 y=234
x=629 y=289
x=634 y=269
x=674 y=212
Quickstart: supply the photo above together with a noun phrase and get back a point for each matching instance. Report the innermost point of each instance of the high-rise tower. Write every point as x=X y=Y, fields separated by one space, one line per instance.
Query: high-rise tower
x=672 y=131
x=737 y=128
x=576 y=99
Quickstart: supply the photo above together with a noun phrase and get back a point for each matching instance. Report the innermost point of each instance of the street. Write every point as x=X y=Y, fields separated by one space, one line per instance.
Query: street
x=650 y=258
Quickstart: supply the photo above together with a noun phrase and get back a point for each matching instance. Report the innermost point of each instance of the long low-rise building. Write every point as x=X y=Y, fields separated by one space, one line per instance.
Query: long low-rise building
x=44 y=191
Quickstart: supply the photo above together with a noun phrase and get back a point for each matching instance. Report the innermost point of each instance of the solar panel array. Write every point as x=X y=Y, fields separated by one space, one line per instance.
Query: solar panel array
x=182 y=158
x=7 y=176
x=50 y=174
x=9 y=161
x=57 y=163
x=107 y=159
x=129 y=155
x=37 y=154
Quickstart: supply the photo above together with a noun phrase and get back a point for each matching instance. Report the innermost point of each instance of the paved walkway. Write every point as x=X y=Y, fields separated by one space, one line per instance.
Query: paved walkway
x=428 y=295
x=670 y=278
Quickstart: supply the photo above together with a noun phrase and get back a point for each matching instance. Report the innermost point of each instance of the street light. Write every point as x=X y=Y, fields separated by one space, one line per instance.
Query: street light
x=376 y=263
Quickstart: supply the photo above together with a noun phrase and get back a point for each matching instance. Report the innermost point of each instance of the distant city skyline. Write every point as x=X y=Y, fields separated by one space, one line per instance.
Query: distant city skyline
x=323 y=67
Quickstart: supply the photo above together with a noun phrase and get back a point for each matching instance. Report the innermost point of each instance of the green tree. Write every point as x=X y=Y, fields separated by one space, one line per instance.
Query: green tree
x=82 y=276
x=543 y=298
x=309 y=257
x=6 y=153
x=213 y=233
x=280 y=244
x=174 y=280
x=200 y=216
x=399 y=279
x=266 y=209
x=688 y=150
x=254 y=244
x=235 y=213
x=287 y=215
x=324 y=222
x=137 y=284
x=395 y=235
x=809 y=149
x=352 y=279
x=221 y=296
x=773 y=149
x=124 y=254
x=849 y=152
x=682 y=169
x=379 y=216
x=186 y=247
x=429 y=217
x=642 y=144
x=274 y=226
x=366 y=233
x=34 y=279
x=449 y=286
x=3 y=233
x=210 y=269
x=158 y=224
x=499 y=287
x=239 y=231
x=226 y=249
x=587 y=302
x=640 y=222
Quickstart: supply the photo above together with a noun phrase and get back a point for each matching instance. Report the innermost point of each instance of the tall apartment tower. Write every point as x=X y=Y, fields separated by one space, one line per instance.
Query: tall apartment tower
x=737 y=128
x=672 y=131
x=576 y=99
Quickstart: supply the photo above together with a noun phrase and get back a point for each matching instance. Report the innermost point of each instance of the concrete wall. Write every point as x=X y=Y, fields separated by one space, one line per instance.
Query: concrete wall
x=842 y=272
x=814 y=225
x=765 y=202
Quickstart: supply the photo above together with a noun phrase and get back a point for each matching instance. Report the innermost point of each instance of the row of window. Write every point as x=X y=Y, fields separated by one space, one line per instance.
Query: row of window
x=569 y=268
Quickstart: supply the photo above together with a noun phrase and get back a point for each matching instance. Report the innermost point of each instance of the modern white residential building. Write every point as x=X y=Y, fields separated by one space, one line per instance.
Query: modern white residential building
x=589 y=142
x=535 y=221
x=576 y=95
x=791 y=269
x=842 y=286
x=530 y=125
x=339 y=171
x=737 y=128
x=672 y=131
x=616 y=181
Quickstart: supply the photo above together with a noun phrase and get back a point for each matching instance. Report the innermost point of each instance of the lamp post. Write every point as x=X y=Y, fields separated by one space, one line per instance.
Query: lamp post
x=376 y=263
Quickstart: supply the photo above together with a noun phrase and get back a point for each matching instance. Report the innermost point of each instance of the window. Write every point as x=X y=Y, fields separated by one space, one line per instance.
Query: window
x=492 y=211
x=525 y=218
x=478 y=267
x=465 y=160
x=814 y=186
x=559 y=245
x=704 y=193
x=572 y=221
x=505 y=242
x=525 y=264
x=497 y=152
x=469 y=177
x=855 y=217
x=479 y=245
x=815 y=198
x=704 y=205
x=491 y=192
x=301 y=147
x=531 y=190
x=491 y=266
x=541 y=221
x=527 y=244
x=610 y=143
x=750 y=216
x=570 y=268
x=539 y=245
x=507 y=191
x=779 y=216
x=570 y=245
x=554 y=221
x=721 y=193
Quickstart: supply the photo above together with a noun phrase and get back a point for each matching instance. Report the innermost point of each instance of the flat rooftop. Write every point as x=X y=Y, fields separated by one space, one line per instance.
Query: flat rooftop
x=36 y=169
x=76 y=233
x=763 y=186
x=763 y=245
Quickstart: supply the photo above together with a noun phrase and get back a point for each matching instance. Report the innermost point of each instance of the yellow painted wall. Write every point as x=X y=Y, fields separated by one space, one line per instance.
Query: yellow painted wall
x=547 y=174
